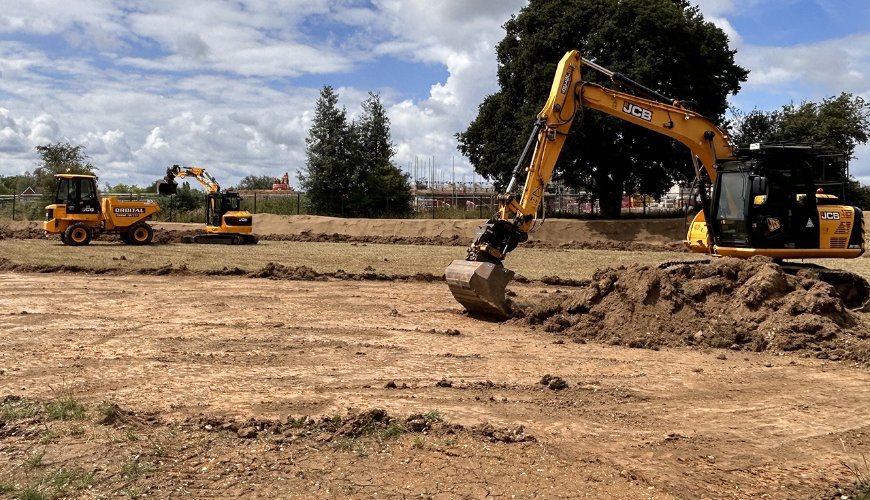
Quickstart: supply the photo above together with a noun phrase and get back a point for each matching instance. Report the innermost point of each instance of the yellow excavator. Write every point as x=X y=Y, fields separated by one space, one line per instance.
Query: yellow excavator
x=755 y=200
x=225 y=222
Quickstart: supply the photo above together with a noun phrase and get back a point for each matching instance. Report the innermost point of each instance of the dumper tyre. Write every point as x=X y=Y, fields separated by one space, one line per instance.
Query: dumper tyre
x=125 y=237
x=78 y=234
x=140 y=234
x=63 y=238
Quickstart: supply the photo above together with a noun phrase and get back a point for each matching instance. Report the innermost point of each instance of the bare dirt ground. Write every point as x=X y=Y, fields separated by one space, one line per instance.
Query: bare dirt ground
x=188 y=385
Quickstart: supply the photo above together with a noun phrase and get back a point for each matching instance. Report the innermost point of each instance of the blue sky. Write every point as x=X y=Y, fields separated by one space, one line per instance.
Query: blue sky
x=231 y=86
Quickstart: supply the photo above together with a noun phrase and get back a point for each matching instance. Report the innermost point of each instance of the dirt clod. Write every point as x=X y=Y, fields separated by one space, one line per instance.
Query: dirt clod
x=444 y=383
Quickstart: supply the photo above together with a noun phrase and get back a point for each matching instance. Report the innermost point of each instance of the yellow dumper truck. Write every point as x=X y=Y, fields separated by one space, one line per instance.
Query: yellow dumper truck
x=78 y=214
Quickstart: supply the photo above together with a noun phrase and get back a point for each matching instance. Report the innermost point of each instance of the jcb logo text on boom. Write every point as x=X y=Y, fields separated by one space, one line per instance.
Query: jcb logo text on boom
x=637 y=111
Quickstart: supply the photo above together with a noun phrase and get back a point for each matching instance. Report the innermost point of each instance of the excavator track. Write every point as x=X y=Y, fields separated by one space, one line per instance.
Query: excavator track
x=221 y=239
x=480 y=287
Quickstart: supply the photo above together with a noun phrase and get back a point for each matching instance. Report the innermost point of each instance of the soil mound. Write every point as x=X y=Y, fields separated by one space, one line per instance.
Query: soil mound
x=728 y=303
x=21 y=232
x=375 y=423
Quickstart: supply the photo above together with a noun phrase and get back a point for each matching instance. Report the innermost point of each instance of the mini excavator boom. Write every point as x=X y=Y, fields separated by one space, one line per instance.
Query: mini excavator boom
x=750 y=209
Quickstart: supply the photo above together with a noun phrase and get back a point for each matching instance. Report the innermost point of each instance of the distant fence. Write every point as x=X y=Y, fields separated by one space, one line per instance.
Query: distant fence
x=427 y=205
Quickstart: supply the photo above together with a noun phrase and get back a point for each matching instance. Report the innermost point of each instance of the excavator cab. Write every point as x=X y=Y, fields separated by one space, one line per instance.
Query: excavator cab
x=224 y=213
x=772 y=202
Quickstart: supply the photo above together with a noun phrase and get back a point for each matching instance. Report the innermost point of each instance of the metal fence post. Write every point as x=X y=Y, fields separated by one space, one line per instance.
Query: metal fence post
x=13 y=206
x=255 y=202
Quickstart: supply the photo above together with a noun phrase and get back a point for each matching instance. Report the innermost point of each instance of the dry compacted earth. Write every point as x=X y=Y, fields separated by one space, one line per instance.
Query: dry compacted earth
x=720 y=380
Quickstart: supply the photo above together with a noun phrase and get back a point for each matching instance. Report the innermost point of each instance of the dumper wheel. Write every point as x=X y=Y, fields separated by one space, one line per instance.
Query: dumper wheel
x=140 y=234
x=78 y=234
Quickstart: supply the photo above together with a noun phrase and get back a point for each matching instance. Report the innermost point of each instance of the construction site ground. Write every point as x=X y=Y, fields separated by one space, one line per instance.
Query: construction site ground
x=331 y=361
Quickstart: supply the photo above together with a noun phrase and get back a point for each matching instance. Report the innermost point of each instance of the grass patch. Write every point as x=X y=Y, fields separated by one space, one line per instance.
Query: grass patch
x=35 y=460
x=48 y=436
x=108 y=412
x=31 y=493
x=66 y=408
x=13 y=409
x=321 y=257
x=433 y=416
x=65 y=479
x=135 y=467
x=391 y=431
x=63 y=482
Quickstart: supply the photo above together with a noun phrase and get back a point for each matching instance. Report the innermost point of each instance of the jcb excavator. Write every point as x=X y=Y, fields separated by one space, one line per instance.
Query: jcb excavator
x=225 y=221
x=759 y=200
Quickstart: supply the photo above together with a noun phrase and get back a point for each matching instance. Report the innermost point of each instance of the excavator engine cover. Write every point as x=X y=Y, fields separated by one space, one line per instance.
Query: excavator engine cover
x=480 y=286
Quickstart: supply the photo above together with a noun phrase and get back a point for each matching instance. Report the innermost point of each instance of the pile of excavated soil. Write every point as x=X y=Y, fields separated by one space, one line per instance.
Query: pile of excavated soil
x=728 y=303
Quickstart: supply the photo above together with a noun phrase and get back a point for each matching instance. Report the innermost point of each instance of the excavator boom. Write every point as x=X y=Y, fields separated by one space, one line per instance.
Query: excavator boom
x=479 y=281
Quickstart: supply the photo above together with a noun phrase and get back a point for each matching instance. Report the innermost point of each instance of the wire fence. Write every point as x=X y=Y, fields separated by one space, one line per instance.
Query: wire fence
x=426 y=205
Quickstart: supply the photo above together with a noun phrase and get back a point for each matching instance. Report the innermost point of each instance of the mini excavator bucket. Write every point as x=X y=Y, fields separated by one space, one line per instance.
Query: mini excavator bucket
x=480 y=286
x=167 y=188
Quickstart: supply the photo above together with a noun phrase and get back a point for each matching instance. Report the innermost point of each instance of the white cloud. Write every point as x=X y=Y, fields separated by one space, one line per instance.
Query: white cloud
x=207 y=82
x=215 y=83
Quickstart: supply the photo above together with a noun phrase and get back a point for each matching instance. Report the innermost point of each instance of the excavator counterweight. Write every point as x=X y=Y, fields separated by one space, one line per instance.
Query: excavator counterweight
x=480 y=287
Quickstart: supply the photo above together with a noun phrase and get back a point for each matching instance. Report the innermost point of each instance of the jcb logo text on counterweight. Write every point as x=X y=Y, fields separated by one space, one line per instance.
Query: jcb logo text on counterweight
x=637 y=111
x=831 y=215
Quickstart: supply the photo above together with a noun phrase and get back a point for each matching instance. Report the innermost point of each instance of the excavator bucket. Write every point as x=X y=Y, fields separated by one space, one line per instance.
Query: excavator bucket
x=480 y=286
x=166 y=188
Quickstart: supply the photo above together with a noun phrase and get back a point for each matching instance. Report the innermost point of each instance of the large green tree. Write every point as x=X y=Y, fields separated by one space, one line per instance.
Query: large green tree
x=839 y=123
x=386 y=190
x=15 y=184
x=665 y=45
x=57 y=158
x=328 y=174
x=349 y=168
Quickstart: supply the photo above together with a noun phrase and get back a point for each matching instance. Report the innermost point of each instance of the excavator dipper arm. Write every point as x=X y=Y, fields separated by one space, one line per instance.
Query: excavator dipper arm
x=168 y=186
x=479 y=281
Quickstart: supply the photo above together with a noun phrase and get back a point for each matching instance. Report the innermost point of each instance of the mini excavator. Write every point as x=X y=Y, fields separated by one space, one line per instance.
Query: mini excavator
x=756 y=200
x=225 y=222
